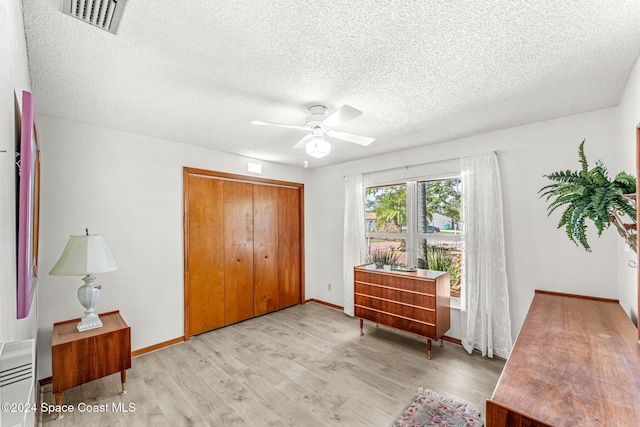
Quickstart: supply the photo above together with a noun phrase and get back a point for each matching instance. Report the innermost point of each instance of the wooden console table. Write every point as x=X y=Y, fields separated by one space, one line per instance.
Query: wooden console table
x=80 y=357
x=576 y=362
x=415 y=302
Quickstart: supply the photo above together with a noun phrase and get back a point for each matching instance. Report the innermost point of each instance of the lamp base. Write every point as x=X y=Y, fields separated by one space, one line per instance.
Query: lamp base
x=88 y=295
x=89 y=322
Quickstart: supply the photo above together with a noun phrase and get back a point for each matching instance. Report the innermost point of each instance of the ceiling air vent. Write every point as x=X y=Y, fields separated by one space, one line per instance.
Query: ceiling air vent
x=104 y=14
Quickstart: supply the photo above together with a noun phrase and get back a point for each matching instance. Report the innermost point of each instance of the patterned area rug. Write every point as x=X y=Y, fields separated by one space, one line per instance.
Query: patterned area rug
x=428 y=408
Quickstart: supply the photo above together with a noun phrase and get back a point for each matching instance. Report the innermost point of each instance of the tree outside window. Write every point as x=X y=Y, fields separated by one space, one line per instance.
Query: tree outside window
x=439 y=207
x=386 y=213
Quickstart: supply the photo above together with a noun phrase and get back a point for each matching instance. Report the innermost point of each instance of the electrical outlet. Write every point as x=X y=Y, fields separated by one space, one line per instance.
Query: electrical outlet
x=329 y=286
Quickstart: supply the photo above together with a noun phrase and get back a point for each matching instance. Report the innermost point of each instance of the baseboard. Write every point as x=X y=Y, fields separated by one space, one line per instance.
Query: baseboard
x=452 y=340
x=39 y=394
x=157 y=346
x=328 y=304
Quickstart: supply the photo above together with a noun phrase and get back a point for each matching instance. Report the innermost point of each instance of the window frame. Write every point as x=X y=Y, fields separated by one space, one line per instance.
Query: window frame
x=412 y=237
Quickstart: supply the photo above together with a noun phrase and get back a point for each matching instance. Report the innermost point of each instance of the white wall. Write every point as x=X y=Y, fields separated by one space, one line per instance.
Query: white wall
x=538 y=255
x=128 y=188
x=628 y=118
x=14 y=78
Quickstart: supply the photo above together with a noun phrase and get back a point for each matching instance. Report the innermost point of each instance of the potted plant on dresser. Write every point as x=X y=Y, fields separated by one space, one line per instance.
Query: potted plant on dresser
x=383 y=257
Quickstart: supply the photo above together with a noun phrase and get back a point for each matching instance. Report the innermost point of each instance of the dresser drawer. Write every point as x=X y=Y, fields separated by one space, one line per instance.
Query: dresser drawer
x=395 y=282
x=407 y=297
x=395 y=308
x=413 y=326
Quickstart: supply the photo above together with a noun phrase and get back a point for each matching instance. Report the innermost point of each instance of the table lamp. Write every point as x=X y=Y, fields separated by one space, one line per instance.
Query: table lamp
x=85 y=256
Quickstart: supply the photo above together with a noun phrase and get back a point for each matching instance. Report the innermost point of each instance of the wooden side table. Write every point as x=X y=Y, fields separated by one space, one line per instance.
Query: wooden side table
x=80 y=357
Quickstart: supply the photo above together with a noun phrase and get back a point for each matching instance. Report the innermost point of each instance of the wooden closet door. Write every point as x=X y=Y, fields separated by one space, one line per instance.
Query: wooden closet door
x=265 y=249
x=289 y=269
x=238 y=251
x=205 y=268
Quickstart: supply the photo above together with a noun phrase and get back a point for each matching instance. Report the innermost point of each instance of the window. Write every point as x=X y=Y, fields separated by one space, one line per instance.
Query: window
x=420 y=221
x=386 y=216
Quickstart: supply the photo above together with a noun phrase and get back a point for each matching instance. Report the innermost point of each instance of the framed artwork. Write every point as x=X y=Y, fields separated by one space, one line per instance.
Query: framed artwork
x=28 y=198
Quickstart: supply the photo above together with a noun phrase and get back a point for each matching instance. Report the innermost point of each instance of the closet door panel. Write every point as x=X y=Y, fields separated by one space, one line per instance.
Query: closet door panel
x=265 y=249
x=238 y=251
x=289 y=270
x=205 y=278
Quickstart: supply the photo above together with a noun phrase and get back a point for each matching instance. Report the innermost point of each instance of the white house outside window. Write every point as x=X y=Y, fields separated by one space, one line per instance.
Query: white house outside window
x=420 y=221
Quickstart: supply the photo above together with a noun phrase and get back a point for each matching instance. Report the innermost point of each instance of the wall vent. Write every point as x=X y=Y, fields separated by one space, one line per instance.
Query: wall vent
x=104 y=14
x=17 y=382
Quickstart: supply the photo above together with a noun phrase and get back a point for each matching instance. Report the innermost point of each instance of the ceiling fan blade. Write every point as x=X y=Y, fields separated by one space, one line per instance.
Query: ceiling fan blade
x=356 y=139
x=303 y=142
x=341 y=115
x=282 y=125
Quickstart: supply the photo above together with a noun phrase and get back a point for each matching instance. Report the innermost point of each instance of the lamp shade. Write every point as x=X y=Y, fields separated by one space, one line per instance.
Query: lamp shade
x=318 y=147
x=84 y=255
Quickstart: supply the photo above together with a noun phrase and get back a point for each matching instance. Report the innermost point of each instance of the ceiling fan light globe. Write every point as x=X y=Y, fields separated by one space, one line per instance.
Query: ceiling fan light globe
x=318 y=148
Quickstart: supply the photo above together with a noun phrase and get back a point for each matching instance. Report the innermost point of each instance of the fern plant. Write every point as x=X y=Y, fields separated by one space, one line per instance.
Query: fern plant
x=589 y=194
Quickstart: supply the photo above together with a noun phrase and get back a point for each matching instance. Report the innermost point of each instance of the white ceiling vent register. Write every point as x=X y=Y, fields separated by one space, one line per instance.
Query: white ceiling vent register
x=104 y=14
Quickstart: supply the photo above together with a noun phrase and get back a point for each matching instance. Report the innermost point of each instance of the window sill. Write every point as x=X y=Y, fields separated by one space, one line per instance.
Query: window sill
x=455 y=303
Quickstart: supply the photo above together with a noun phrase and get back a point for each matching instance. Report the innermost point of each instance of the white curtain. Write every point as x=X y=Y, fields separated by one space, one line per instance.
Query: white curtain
x=353 y=241
x=486 y=323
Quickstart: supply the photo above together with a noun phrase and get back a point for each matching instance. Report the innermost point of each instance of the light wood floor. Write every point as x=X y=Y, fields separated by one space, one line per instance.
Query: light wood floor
x=302 y=366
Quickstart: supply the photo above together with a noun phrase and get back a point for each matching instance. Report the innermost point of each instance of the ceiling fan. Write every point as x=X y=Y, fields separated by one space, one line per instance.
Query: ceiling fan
x=319 y=125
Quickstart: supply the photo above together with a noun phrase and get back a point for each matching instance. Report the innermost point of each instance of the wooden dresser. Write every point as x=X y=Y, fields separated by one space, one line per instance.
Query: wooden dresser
x=576 y=362
x=415 y=302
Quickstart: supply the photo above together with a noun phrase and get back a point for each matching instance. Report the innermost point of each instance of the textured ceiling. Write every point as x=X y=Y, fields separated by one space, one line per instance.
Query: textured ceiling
x=198 y=72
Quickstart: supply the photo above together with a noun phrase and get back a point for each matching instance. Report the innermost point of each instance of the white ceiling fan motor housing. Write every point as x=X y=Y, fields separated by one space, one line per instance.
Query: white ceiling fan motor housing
x=318 y=114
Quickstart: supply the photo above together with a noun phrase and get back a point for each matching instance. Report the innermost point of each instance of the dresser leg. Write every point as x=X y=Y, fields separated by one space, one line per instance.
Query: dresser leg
x=59 y=404
x=361 y=323
x=429 y=349
x=123 y=379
